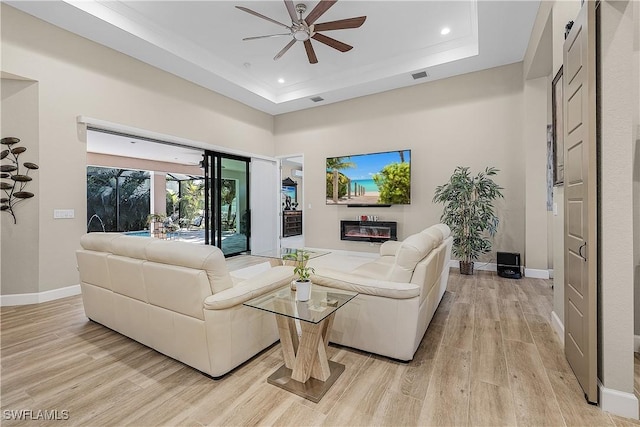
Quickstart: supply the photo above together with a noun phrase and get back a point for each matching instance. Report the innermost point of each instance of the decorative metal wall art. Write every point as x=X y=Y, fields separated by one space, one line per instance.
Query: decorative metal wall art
x=12 y=179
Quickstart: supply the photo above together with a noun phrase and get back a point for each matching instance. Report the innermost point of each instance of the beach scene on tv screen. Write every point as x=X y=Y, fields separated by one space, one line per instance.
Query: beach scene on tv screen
x=370 y=179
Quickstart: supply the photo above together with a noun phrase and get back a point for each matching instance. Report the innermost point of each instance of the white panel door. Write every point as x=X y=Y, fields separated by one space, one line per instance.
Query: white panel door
x=580 y=281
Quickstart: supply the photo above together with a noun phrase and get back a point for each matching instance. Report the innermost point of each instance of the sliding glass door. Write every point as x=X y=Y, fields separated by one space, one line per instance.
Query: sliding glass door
x=227 y=212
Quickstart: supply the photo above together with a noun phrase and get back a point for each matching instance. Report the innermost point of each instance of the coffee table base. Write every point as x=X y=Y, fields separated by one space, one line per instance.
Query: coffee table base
x=313 y=389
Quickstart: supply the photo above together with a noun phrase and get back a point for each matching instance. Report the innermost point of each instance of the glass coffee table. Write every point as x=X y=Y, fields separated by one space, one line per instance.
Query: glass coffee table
x=280 y=253
x=307 y=371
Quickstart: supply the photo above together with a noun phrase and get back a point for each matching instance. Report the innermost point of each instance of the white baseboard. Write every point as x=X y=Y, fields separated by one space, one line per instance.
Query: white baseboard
x=484 y=266
x=38 y=297
x=536 y=273
x=636 y=343
x=490 y=266
x=557 y=326
x=551 y=273
x=618 y=402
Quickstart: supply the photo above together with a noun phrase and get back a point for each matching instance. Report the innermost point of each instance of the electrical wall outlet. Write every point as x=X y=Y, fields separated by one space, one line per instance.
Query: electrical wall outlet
x=64 y=213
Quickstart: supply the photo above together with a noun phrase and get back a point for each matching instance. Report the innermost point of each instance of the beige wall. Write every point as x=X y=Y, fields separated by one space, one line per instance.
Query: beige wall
x=535 y=153
x=558 y=253
x=562 y=12
x=616 y=262
x=471 y=120
x=20 y=256
x=616 y=195
x=78 y=77
x=636 y=170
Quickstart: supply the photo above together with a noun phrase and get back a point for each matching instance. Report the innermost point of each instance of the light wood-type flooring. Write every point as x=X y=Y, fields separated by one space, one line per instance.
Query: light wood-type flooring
x=489 y=358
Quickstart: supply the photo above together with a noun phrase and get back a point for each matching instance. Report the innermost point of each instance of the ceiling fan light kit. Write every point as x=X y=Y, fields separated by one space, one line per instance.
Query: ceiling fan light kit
x=304 y=29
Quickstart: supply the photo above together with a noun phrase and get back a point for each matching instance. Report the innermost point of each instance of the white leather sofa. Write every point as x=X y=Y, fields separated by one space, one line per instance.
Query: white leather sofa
x=398 y=294
x=177 y=298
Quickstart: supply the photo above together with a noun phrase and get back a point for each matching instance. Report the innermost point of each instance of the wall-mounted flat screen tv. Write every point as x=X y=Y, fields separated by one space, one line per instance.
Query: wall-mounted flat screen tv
x=374 y=179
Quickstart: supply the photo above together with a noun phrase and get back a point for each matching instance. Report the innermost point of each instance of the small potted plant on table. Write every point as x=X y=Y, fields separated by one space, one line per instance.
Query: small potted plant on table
x=302 y=283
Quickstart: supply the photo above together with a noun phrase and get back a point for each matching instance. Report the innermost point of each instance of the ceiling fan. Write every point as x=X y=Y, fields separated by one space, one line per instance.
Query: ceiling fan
x=304 y=29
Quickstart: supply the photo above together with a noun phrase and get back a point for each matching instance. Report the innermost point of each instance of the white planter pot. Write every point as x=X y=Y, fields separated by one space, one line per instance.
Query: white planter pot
x=303 y=290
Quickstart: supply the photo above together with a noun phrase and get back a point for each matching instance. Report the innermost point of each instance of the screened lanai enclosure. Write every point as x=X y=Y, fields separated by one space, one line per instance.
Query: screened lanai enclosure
x=117 y=199
x=121 y=200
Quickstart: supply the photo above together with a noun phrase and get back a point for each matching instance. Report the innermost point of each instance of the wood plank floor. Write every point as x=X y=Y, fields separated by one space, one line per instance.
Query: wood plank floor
x=488 y=358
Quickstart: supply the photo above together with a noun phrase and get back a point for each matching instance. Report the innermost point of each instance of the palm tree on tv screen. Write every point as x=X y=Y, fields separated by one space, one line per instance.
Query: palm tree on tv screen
x=334 y=165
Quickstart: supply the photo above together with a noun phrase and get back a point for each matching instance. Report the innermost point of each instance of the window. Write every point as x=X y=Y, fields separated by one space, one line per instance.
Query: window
x=117 y=199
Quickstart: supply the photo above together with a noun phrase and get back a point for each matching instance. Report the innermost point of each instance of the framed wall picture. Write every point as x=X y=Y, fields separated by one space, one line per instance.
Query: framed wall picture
x=558 y=129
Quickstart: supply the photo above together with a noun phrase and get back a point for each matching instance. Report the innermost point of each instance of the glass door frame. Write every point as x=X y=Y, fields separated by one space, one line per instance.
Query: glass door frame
x=212 y=162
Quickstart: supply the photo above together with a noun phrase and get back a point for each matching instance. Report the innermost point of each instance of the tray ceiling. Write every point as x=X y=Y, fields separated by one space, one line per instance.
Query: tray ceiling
x=201 y=41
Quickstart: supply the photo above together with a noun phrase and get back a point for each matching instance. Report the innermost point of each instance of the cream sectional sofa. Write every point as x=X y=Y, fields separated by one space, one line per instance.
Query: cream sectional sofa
x=177 y=298
x=398 y=294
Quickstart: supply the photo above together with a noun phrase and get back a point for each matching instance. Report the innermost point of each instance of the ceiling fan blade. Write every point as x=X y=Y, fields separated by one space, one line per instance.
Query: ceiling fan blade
x=292 y=11
x=311 y=54
x=284 y=50
x=341 y=24
x=265 y=37
x=342 y=47
x=244 y=9
x=321 y=8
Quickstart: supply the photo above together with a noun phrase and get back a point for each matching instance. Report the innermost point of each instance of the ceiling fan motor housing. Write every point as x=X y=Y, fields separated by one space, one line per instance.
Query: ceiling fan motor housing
x=301 y=31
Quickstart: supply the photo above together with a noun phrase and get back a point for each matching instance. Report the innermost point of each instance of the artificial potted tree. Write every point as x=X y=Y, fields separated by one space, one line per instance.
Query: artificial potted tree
x=302 y=284
x=469 y=212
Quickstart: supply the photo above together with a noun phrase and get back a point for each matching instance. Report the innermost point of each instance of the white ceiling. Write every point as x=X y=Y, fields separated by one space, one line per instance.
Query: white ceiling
x=201 y=41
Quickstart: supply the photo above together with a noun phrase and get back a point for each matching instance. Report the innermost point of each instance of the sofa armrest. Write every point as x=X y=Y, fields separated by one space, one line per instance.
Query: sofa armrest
x=364 y=285
x=268 y=281
x=390 y=248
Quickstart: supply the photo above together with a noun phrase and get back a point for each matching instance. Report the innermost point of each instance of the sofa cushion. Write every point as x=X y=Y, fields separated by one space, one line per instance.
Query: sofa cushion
x=435 y=233
x=94 y=268
x=378 y=269
x=176 y=288
x=414 y=248
x=269 y=280
x=202 y=257
x=127 y=277
x=444 y=228
x=364 y=285
x=100 y=242
x=390 y=248
x=131 y=246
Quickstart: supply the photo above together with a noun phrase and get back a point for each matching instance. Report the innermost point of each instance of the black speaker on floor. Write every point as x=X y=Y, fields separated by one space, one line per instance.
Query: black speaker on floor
x=509 y=265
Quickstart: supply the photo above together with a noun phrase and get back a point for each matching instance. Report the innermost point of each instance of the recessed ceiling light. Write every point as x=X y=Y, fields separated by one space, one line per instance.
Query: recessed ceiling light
x=280 y=80
x=445 y=31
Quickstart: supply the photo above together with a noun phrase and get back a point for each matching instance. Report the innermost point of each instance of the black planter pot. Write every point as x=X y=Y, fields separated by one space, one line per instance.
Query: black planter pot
x=466 y=267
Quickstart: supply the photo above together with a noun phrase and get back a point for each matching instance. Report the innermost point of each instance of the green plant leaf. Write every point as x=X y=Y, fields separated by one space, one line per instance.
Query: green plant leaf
x=469 y=210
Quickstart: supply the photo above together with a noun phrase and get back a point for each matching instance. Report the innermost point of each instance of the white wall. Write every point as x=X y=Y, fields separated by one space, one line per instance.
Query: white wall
x=77 y=77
